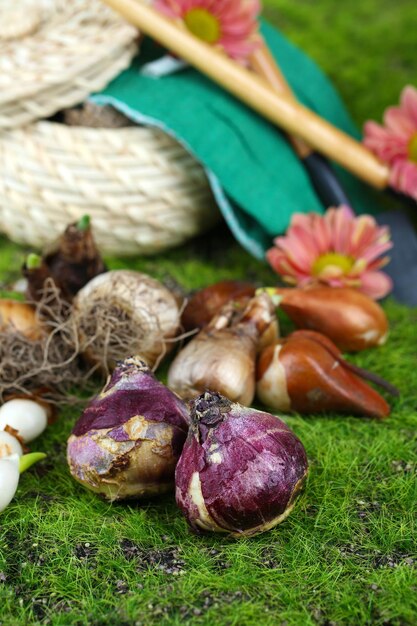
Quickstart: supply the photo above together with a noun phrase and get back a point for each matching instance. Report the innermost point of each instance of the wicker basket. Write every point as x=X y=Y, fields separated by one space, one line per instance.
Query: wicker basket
x=143 y=191
x=54 y=53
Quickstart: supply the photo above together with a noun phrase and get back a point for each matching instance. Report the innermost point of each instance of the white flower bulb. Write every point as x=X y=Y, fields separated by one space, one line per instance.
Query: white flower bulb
x=26 y=416
x=9 y=479
x=9 y=445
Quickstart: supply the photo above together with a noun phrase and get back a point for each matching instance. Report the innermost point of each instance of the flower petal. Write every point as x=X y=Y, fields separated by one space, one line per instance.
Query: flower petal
x=387 y=147
x=322 y=234
x=403 y=177
x=409 y=103
x=283 y=265
x=376 y=285
x=376 y=250
x=340 y=221
x=397 y=120
x=295 y=250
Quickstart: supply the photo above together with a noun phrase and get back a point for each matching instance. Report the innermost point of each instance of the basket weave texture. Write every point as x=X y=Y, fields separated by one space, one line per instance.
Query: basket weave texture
x=144 y=192
x=54 y=53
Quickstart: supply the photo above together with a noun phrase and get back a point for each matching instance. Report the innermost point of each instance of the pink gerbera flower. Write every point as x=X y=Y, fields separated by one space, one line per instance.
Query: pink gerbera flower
x=228 y=24
x=337 y=249
x=396 y=142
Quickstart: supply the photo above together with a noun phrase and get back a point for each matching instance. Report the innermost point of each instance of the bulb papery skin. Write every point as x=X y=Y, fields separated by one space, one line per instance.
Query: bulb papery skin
x=269 y=336
x=240 y=469
x=223 y=360
x=352 y=320
x=27 y=417
x=127 y=302
x=9 y=445
x=9 y=479
x=20 y=317
x=306 y=373
x=207 y=302
x=271 y=388
x=222 y=356
x=75 y=260
x=129 y=438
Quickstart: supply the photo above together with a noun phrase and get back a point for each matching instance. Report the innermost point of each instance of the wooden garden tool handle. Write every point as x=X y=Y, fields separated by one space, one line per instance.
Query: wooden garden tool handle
x=323 y=178
x=264 y=64
x=280 y=109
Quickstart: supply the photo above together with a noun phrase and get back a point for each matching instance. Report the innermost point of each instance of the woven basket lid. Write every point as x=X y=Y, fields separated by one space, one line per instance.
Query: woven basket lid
x=54 y=53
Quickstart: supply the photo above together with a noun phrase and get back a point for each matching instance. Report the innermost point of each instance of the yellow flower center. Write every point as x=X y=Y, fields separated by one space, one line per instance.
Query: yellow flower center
x=412 y=148
x=203 y=24
x=332 y=264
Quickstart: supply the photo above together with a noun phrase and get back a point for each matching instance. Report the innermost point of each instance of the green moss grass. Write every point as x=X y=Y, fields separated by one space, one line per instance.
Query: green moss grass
x=347 y=553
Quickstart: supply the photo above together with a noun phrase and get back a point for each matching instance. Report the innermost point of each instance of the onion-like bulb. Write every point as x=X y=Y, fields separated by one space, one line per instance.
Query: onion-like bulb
x=206 y=303
x=9 y=479
x=240 y=469
x=69 y=263
x=305 y=372
x=20 y=317
x=10 y=469
x=75 y=259
x=124 y=312
x=222 y=356
x=129 y=438
x=9 y=445
x=351 y=319
x=27 y=417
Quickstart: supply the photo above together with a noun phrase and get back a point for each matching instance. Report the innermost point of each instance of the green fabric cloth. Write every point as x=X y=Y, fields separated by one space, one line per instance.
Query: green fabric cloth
x=257 y=179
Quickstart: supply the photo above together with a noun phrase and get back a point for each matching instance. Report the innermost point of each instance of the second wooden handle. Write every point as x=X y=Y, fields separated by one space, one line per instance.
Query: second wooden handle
x=263 y=63
x=280 y=109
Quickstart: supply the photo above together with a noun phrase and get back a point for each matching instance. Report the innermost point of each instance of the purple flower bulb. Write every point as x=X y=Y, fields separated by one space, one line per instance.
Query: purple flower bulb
x=240 y=469
x=128 y=440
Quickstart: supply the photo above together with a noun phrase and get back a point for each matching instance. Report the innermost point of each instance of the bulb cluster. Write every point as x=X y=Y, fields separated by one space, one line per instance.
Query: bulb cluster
x=238 y=470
